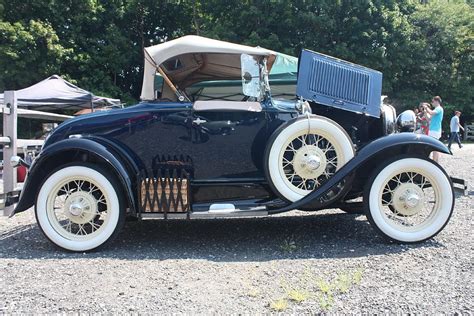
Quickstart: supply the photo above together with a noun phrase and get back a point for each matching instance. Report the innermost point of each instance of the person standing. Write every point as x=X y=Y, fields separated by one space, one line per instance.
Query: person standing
x=435 y=123
x=454 y=127
x=424 y=118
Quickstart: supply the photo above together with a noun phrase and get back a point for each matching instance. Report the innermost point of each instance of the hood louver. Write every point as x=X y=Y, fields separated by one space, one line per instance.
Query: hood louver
x=333 y=82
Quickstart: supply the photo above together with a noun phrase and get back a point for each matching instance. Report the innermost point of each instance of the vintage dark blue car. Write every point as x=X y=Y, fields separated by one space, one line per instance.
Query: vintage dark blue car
x=208 y=140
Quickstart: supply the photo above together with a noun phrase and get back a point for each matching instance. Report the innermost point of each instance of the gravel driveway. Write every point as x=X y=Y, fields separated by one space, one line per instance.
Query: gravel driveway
x=296 y=263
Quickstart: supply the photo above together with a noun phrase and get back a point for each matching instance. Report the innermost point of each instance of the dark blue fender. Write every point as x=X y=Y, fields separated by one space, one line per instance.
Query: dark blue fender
x=104 y=150
x=405 y=143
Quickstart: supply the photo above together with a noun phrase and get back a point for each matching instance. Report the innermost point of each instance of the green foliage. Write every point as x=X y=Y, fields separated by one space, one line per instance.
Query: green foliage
x=279 y=305
x=289 y=245
x=28 y=52
x=298 y=295
x=423 y=48
x=311 y=287
x=443 y=39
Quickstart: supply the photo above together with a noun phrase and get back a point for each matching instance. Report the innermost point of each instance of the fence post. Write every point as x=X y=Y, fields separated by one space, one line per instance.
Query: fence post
x=9 y=130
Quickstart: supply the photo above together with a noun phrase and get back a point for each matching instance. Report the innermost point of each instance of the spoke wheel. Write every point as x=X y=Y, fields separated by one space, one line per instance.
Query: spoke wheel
x=78 y=208
x=307 y=160
x=305 y=154
x=410 y=200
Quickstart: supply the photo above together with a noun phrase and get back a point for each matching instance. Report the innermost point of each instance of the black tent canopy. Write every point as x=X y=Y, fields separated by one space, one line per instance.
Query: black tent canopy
x=55 y=93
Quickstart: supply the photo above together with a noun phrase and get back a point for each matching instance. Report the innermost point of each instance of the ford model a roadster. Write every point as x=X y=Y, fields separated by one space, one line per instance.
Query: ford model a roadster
x=189 y=150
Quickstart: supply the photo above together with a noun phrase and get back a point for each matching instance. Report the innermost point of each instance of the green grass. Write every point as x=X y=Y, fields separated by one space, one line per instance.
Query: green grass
x=279 y=305
x=289 y=245
x=311 y=287
x=297 y=295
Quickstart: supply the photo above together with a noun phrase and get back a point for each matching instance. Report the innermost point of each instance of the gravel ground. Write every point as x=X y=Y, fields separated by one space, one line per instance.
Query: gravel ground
x=296 y=263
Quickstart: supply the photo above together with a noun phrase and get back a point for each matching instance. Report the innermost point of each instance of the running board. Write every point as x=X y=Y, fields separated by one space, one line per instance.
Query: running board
x=256 y=212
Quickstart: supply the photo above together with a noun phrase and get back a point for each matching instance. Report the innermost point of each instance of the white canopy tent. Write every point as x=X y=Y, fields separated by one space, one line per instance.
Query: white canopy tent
x=196 y=49
x=55 y=93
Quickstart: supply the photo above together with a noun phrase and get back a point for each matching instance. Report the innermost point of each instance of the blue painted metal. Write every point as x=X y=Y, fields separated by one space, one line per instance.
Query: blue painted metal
x=114 y=157
x=420 y=144
x=225 y=150
x=337 y=83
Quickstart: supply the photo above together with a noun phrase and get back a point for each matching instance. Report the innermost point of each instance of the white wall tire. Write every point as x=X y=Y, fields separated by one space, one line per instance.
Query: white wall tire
x=78 y=208
x=305 y=153
x=409 y=200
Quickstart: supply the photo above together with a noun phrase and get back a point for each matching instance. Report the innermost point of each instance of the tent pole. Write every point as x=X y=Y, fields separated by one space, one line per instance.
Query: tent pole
x=10 y=150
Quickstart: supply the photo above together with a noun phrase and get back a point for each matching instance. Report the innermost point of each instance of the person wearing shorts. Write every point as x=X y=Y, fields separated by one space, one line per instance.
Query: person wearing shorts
x=436 y=120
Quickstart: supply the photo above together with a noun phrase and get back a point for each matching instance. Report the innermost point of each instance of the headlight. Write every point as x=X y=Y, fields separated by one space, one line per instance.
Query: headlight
x=406 y=121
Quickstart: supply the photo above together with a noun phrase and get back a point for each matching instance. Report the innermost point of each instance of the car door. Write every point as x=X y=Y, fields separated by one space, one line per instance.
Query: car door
x=226 y=138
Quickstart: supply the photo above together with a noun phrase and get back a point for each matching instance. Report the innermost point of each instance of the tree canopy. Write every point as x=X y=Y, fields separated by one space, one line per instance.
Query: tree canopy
x=423 y=48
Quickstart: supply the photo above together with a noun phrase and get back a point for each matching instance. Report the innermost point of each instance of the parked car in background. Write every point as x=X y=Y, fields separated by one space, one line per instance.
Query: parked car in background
x=183 y=154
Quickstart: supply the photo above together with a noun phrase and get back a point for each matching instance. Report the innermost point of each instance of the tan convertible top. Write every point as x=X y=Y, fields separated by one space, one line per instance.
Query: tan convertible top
x=200 y=58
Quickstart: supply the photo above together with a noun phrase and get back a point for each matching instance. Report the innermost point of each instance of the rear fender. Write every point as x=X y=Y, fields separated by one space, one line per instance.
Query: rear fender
x=77 y=149
x=381 y=148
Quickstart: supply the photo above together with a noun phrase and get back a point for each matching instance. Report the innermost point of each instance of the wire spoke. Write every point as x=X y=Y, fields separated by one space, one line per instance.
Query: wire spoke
x=80 y=207
x=304 y=144
x=94 y=226
x=395 y=192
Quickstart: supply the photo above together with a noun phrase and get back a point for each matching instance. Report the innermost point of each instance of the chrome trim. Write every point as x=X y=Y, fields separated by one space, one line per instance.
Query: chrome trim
x=389 y=119
x=208 y=215
x=406 y=121
x=75 y=136
x=17 y=161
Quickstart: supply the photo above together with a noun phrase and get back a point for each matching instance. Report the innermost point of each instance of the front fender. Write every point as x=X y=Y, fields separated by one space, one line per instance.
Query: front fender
x=52 y=156
x=405 y=143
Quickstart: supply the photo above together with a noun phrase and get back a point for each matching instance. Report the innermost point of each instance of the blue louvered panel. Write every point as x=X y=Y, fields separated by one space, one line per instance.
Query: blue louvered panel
x=334 y=82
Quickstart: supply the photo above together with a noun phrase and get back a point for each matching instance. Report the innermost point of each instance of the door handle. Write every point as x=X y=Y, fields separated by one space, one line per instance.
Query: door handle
x=198 y=121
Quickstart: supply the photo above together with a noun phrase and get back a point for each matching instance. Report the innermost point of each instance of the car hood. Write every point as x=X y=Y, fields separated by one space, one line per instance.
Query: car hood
x=337 y=83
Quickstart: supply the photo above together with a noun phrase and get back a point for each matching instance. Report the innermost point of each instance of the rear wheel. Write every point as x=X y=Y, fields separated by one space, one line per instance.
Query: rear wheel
x=409 y=199
x=78 y=208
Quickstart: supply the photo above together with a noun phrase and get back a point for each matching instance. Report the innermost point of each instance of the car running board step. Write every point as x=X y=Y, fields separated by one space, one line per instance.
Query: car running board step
x=215 y=211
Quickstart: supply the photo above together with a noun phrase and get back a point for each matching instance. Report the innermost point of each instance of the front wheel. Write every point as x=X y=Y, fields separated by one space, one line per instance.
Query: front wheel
x=409 y=199
x=79 y=208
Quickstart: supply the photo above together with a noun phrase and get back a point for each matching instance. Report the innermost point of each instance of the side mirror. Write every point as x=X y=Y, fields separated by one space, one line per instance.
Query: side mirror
x=250 y=76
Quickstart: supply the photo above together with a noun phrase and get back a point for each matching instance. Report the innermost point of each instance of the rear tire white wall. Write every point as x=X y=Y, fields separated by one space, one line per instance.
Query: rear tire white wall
x=48 y=228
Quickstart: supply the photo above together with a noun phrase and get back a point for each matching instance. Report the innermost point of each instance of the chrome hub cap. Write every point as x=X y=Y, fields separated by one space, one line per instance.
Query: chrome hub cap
x=75 y=209
x=408 y=199
x=309 y=162
x=80 y=207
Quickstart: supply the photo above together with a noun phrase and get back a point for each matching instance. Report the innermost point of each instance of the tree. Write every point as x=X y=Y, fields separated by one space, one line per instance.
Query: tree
x=422 y=47
x=28 y=52
x=444 y=58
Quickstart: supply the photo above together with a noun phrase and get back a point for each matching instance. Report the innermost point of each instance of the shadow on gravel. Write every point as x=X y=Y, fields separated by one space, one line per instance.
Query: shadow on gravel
x=335 y=235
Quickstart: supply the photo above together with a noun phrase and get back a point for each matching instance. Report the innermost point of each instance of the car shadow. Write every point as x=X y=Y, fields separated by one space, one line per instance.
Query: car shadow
x=316 y=236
